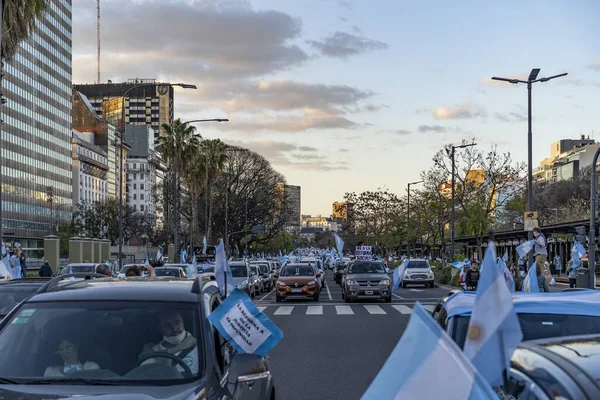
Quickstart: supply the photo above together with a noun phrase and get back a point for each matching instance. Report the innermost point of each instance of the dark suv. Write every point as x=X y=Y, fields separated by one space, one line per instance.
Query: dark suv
x=366 y=280
x=126 y=339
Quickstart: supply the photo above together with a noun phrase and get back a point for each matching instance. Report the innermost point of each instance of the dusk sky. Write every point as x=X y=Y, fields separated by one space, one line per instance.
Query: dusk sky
x=354 y=95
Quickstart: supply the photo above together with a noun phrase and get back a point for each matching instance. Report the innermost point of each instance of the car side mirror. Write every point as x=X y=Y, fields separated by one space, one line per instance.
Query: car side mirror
x=248 y=374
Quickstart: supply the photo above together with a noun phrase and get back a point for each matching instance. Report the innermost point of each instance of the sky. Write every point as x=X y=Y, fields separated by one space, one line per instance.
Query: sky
x=353 y=95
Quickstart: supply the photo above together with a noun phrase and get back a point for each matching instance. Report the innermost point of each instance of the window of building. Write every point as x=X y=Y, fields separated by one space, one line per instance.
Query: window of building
x=142 y=196
x=135 y=196
x=142 y=186
x=141 y=207
x=135 y=186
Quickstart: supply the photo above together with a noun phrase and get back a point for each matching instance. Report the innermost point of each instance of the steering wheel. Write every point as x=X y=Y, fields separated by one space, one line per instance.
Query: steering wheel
x=187 y=372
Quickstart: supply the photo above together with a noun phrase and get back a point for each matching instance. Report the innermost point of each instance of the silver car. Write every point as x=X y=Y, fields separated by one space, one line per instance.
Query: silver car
x=258 y=277
x=366 y=280
x=418 y=272
x=242 y=277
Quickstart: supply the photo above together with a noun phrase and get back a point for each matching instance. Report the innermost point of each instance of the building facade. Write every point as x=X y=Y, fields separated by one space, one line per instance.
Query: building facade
x=90 y=169
x=36 y=134
x=149 y=106
x=567 y=158
x=293 y=198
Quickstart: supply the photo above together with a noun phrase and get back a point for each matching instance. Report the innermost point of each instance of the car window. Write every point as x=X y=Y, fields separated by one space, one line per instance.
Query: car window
x=540 y=326
x=167 y=272
x=62 y=340
x=239 y=271
x=298 y=270
x=366 y=268
x=263 y=268
x=11 y=295
x=78 y=268
x=417 y=264
x=223 y=350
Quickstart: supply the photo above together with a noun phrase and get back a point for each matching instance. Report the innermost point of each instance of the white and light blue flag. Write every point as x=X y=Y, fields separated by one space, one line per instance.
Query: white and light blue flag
x=195 y=266
x=578 y=247
x=147 y=262
x=508 y=278
x=159 y=255
x=204 y=245
x=244 y=326
x=339 y=244
x=399 y=275
x=494 y=331
x=222 y=270
x=5 y=265
x=525 y=248
x=530 y=282
x=425 y=351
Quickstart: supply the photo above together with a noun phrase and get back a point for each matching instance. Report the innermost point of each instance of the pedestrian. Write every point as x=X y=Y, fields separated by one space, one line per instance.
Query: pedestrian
x=541 y=278
x=539 y=249
x=557 y=264
x=572 y=273
x=15 y=264
x=46 y=270
x=472 y=276
x=23 y=265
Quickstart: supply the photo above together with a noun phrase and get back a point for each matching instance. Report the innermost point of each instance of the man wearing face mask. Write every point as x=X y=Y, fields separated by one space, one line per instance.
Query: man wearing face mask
x=176 y=341
x=539 y=249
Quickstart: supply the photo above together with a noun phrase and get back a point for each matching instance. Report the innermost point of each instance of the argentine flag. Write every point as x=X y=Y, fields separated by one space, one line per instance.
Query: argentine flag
x=419 y=366
x=530 y=282
x=578 y=247
x=204 y=245
x=525 y=248
x=4 y=265
x=159 y=256
x=339 y=243
x=494 y=331
x=222 y=270
x=508 y=278
x=399 y=275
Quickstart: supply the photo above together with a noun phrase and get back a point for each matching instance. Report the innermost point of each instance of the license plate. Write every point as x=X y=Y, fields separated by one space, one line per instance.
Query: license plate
x=296 y=290
x=368 y=292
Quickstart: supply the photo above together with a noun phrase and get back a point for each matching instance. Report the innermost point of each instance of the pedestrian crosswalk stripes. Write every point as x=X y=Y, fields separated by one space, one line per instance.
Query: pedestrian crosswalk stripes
x=370 y=309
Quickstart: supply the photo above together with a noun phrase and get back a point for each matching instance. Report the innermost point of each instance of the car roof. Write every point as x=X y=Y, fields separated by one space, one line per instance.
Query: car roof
x=131 y=289
x=571 y=303
x=175 y=265
x=170 y=267
x=237 y=263
x=83 y=264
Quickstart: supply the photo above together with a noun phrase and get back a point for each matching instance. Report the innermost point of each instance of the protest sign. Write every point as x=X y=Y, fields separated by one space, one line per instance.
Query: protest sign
x=363 y=253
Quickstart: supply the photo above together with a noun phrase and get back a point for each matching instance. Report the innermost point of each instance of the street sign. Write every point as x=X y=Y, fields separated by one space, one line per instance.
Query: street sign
x=530 y=220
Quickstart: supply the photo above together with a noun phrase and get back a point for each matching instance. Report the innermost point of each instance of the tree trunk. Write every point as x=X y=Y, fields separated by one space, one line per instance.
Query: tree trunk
x=210 y=215
x=194 y=222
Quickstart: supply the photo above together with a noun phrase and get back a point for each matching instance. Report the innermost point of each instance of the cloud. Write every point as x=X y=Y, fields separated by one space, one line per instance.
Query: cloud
x=343 y=44
x=399 y=132
x=343 y=150
x=595 y=64
x=307 y=148
x=205 y=39
x=345 y=4
x=286 y=154
x=578 y=82
x=432 y=128
x=511 y=117
x=465 y=110
x=490 y=82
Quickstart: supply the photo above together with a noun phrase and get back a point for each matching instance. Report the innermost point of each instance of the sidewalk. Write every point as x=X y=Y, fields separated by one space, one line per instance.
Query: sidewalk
x=566 y=281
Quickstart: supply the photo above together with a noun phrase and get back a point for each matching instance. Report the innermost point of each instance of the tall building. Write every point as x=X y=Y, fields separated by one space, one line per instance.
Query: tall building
x=567 y=158
x=150 y=106
x=90 y=169
x=292 y=202
x=36 y=134
x=340 y=210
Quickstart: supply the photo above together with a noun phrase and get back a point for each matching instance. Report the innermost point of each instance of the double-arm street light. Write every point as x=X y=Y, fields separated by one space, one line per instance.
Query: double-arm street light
x=533 y=78
x=452 y=153
x=121 y=161
x=408 y=214
x=176 y=186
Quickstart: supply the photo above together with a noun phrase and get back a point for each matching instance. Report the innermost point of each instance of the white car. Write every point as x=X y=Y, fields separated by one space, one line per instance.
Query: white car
x=418 y=272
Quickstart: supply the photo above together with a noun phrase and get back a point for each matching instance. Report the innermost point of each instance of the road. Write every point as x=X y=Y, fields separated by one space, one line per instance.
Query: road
x=332 y=350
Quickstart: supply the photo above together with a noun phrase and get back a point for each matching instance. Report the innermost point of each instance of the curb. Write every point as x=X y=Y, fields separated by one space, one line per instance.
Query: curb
x=447 y=287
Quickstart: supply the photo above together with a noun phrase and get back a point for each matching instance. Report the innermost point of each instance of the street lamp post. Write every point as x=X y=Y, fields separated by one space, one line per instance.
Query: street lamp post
x=529 y=82
x=408 y=215
x=121 y=163
x=452 y=154
x=176 y=186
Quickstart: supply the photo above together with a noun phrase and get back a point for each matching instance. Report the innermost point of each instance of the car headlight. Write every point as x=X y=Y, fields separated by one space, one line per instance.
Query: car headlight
x=384 y=282
x=243 y=283
x=351 y=282
x=311 y=283
x=281 y=284
x=406 y=274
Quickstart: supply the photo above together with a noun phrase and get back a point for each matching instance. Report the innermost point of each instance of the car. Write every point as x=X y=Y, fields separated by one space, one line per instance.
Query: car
x=80 y=320
x=339 y=271
x=173 y=271
x=297 y=281
x=555 y=368
x=125 y=267
x=418 y=271
x=258 y=278
x=188 y=268
x=13 y=291
x=366 y=280
x=265 y=274
x=79 y=267
x=242 y=277
x=541 y=315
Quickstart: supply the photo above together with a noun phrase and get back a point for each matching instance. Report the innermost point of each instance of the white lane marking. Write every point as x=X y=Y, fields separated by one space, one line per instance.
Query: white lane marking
x=328 y=292
x=314 y=310
x=401 y=298
x=267 y=295
x=372 y=309
x=344 y=310
x=261 y=308
x=284 y=310
x=403 y=309
x=416 y=290
x=428 y=307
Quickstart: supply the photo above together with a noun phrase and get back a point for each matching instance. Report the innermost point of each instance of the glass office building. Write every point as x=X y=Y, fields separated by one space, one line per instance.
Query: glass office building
x=36 y=135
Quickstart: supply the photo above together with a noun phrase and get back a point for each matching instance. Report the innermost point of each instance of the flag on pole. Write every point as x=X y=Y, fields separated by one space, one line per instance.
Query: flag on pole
x=339 y=243
x=182 y=255
x=147 y=261
x=530 y=282
x=424 y=351
x=158 y=255
x=578 y=247
x=204 y=245
x=4 y=265
x=222 y=270
x=399 y=275
x=525 y=248
x=195 y=266
x=494 y=330
x=508 y=278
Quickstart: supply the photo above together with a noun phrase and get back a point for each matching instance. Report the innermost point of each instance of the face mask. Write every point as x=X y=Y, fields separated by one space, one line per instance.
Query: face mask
x=175 y=339
x=72 y=368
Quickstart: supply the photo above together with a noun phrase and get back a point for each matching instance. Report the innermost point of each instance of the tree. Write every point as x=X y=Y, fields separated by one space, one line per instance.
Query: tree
x=18 y=21
x=215 y=156
x=195 y=179
x=99 y=219
x=178 y=147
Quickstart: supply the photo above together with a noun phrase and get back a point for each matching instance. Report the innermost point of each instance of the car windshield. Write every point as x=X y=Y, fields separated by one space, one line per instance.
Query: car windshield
x=263 y=268
x=366 y=268
x=539 y=326
x=167 y=272
x=297 y=270
x=239 y=271
x=417 y=264
x=77 y=268
x=11 y=295
x=74 y=340
x=212 y=269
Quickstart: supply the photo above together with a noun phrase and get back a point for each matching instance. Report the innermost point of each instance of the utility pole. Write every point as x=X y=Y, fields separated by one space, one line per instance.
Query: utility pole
x=98 y=40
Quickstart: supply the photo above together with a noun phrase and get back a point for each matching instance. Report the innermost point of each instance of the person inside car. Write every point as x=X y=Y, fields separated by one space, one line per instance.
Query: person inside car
x=136 y=270
x=68 y=349
x=104 y=270
x=176 y=341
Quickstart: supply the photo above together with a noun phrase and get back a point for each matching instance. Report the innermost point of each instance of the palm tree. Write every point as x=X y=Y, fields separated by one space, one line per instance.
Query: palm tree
x=178 y=148
x=194 y=177
x=215 y=156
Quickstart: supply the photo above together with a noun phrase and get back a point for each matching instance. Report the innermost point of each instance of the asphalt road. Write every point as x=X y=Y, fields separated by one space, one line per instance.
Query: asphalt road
x=333 y=350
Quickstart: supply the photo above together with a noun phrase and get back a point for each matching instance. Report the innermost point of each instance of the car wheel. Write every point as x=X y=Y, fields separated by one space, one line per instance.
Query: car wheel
x=388 y=299
x=347 y=300
x=343 y=296
x=431 y=285
x=278 y=298
x=403 y=285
